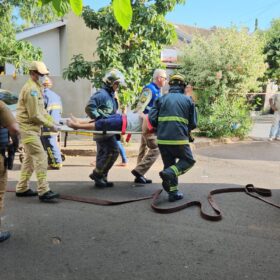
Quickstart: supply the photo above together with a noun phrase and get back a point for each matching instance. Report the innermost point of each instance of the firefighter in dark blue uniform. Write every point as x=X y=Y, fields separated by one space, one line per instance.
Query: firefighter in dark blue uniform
x=102 y=104
x=174 y=116
x=53 y=105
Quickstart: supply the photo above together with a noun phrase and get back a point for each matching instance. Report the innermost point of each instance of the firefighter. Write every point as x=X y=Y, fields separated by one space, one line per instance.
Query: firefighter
x=101 y=105
x=8 y=126
x=31 y=116
x=174 y=116
x=53 y=105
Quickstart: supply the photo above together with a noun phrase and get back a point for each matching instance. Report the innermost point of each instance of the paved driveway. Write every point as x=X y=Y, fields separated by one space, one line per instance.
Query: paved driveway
x=71 y=240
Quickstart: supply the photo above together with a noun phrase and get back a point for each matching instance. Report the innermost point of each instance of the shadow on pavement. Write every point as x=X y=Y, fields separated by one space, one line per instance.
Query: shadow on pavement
x=264 y=151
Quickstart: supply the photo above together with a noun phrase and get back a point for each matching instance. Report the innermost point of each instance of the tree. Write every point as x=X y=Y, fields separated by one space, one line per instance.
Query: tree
x=135 y=52
x=122 y=9
x=19 y=53
x=38 y=12
x=224 y=67
x=34 y=14
x=272 y=51
x=63 y=6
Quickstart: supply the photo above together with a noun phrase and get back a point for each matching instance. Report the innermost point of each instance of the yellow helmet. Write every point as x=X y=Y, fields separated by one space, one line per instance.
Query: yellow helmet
x=177 y=79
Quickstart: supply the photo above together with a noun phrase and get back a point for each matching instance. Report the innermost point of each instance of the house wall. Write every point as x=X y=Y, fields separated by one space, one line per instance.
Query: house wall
x=77 y=38
x=74 y=95
x=50 y=46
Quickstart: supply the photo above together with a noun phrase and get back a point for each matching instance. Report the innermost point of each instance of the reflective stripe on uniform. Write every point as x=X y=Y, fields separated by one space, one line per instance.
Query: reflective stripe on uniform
x=54 y=107
x=175 y=169
x=41 y=175
x=172 y=119
x=48 y=123
x=25 y=175
x=47 y=133
x=172 y=142
x=29 y=139
x=173 y=189
x=56 y=165
x=49 y=150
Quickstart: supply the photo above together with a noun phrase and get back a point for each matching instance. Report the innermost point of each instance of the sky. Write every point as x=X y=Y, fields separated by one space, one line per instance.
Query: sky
x=220 y=13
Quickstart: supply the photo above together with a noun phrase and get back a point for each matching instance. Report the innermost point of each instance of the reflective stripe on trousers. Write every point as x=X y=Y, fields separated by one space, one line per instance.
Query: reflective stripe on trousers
x=35 y=159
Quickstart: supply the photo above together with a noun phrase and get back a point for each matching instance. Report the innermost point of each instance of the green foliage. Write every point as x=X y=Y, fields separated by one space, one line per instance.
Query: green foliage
x=226 y=118
x=224 y=67
x=122 y=9
x=165 y=6
x=135 y=52
x=63 y=6
x=78 y=68
x=76 y=6
x=34 y=14
x=272 y=51
x=123 y=12
x=19 y=53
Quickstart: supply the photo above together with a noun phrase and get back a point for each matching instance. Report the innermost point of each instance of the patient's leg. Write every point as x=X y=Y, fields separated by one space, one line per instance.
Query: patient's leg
x=77 y=120
x=78 y=125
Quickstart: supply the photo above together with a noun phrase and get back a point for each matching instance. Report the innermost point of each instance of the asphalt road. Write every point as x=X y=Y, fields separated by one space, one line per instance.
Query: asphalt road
x=71 y=240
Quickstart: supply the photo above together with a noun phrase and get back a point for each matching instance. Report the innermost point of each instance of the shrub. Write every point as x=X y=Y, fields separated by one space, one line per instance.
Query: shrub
x=223 y=68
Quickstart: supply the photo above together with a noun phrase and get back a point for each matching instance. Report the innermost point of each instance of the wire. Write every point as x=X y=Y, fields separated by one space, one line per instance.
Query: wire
x=259 y=9
x=263 y=10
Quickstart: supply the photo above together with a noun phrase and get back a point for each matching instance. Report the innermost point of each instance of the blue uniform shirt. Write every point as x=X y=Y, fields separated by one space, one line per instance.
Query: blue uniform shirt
x=102 y=104
x=155 y=95
x=53 y=104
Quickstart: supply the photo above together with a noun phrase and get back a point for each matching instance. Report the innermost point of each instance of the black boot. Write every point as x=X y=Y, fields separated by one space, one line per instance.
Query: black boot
x=48 y=196
x=108 y=183
x=27 y=193
x=140 y=179
x=174 y=196
x=99 y=180
x=4 y=235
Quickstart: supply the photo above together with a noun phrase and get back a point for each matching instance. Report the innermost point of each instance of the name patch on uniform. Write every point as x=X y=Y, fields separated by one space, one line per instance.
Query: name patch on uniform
x=34 y=93
x=145 y=93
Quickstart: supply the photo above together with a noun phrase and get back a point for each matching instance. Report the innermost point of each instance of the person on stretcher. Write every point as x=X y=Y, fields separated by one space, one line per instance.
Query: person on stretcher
x=132 y=122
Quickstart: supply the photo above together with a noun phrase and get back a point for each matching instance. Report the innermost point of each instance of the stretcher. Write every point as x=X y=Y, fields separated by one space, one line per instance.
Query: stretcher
x=67 y=130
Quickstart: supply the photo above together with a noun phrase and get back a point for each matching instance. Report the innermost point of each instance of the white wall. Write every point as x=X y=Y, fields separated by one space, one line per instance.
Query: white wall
x=74 y=95
x=49 y=44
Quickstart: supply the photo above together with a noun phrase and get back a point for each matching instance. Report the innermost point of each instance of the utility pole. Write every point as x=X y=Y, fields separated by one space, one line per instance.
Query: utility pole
x=256 y=24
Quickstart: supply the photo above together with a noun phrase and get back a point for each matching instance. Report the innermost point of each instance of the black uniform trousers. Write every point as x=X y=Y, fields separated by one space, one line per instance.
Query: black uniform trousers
x=107 y=154
x=177 y=160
